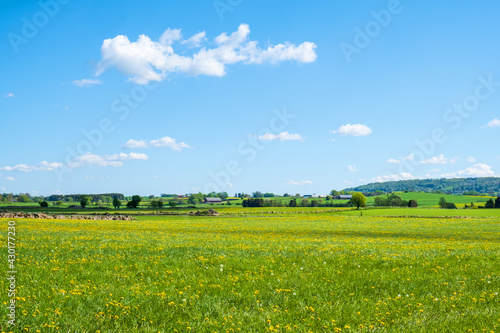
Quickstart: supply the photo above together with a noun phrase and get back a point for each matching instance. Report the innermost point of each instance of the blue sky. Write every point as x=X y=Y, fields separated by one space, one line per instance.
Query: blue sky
x=150 y=97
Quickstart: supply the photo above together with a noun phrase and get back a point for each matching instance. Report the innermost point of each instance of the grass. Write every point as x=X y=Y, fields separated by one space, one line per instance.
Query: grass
x=253 y=271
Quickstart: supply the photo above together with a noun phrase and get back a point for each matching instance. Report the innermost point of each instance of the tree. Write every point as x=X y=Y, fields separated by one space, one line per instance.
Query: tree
x=358 y=200
x=334 y=193
x=412 y=203
x=59 y=203
x=489 y=204
x=84 y=201
x=314 y=203
x=497 y=202
x=117 y=203
x=328 y=197
x=442 y=202
x=44 y=204
x=292 y=203
x=257 y=194
x=23 y=198
x=159 y=203
x=137 y=199
x=195 y=198
x=222 y=195
x=172 y=203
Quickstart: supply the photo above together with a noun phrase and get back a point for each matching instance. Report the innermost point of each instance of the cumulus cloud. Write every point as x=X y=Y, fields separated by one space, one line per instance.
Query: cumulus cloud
x=9 y=95
x=386 y=178
x=494 y=123
x=477 y=170
x=86 y=82
x=12 y=179
x=146 y=60
x=393 y=161
x=353 y=130
x=283 y=136
x=298 y=183
x=166 y=141
x=352 y=168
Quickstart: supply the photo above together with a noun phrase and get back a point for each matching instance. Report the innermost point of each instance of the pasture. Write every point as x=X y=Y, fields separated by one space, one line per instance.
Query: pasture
x=248 y=270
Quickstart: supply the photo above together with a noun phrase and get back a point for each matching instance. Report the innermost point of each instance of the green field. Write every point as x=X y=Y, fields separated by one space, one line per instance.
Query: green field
x=257 y=270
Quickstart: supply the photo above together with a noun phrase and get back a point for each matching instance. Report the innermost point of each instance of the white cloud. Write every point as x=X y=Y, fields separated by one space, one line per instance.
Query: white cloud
x=471 y=159
x=352 y=168
x=283 y=136
x=96 y=177
x=115 y=160
x=494 y=123
x=354 y=130
x=477 y=170
x=166 y=141
x=88 y=160
x=299 y=183
x=9 y=95
x=12 y=179
x=196 y=40
x=230 y=184
x=86 y=82
x=386 y=178
x=440 y=159
x=145 y=60
x=409 y=157
x=393 y=161
x=434 y=170
x=42 y=166
x=4 y=189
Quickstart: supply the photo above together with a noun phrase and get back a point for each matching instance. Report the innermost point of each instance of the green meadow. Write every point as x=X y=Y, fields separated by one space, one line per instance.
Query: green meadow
x=259 y=270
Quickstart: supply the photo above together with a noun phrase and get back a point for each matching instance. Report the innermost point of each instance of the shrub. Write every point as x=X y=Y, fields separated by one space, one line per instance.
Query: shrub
x=44 y=204
x=412 y=203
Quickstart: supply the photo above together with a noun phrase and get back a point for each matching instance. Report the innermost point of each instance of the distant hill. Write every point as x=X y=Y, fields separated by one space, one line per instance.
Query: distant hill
x=487 y=185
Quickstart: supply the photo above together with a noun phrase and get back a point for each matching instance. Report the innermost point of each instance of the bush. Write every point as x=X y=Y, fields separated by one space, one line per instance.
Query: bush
x=44 y=204
x=412 y=203
x=489 y=204
x=451 y=205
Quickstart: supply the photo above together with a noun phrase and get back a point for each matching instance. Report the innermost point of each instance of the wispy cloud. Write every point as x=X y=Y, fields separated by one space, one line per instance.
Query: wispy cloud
x=393 y=161
x=146 y=60
x=298 y=183
x=353 y=130
x=12 y=179
x=283 y=136
x=9 y=95
x=166 y=141
x=471 y=159
x=86 y=82
x=440 y=159
x=87 y=160
x=42 y=166
x=352 y=168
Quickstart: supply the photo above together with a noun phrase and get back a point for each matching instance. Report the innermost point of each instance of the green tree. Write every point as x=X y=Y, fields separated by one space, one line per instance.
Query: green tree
x=159 y=203
x=412 y=203
x=117 y=203
x=59 y=203
x=84 y=201
x=334 y=193
x=489 y=204
x=172 y=203
x=44 y=204
x=358 y=200
x=442 y=202
x=23 y=198
x=497 y=202
x=257 y=194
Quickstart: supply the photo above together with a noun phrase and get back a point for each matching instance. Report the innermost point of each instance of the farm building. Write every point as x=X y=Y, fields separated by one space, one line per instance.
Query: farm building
x=212 y=200
x=344 y=197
